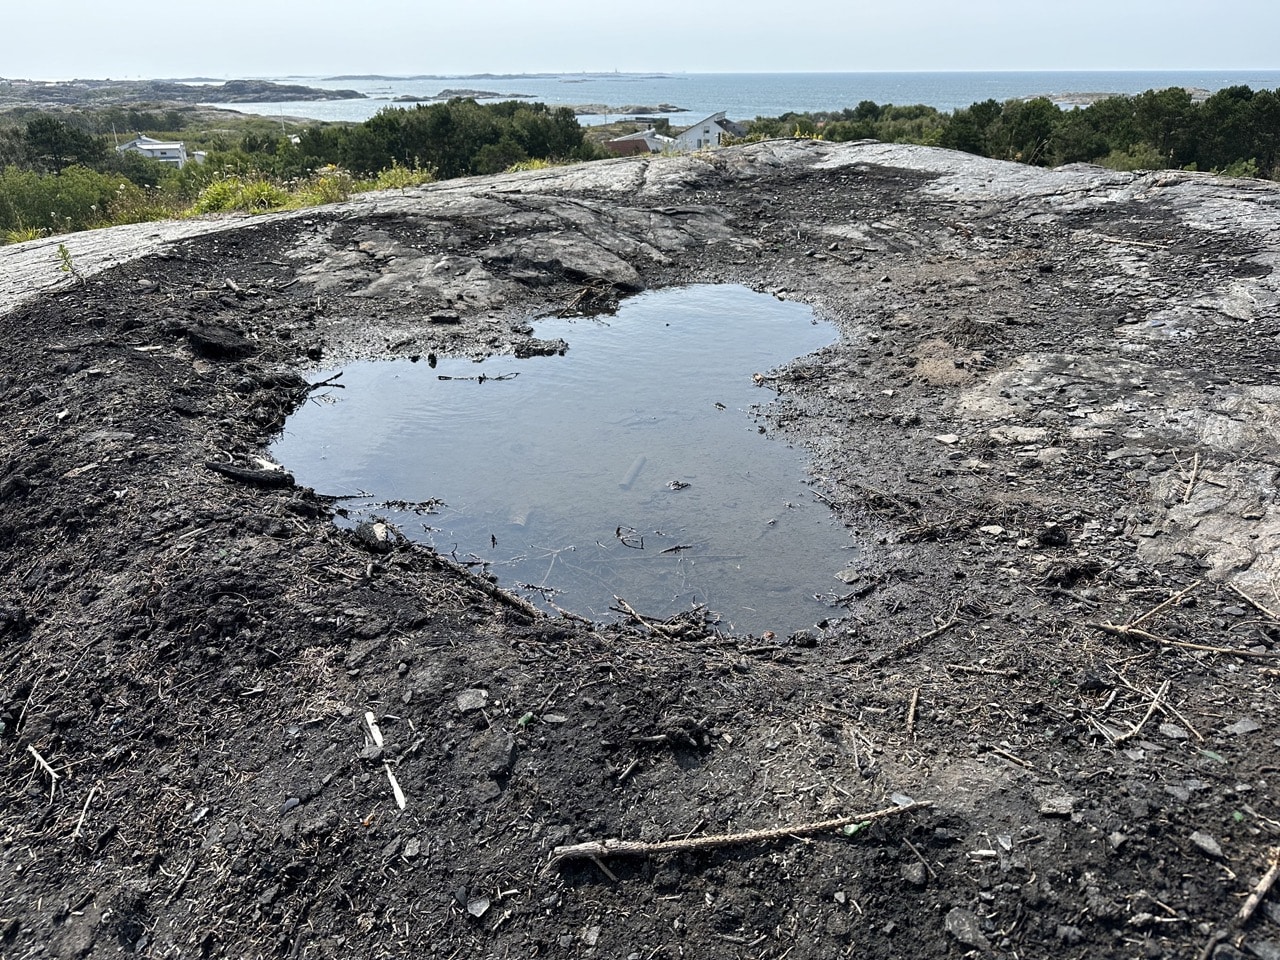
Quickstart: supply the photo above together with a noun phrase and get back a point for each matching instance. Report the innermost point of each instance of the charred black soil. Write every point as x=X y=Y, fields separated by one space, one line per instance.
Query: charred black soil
x=230 y=728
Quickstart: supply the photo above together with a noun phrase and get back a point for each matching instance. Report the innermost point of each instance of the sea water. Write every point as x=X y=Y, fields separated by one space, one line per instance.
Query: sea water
x=745 y=96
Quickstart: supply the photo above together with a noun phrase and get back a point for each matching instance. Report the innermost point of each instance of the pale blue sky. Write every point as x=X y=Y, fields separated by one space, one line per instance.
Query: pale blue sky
x=235 y=38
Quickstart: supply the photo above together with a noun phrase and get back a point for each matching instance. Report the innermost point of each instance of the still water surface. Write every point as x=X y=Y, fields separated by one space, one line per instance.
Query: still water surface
x=566 y=476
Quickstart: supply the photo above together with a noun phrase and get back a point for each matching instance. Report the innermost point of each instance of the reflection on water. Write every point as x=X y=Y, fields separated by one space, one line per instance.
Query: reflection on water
x=631 y=466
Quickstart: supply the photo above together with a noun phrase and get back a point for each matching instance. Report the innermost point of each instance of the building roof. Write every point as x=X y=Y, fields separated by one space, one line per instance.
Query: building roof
x=149 y=143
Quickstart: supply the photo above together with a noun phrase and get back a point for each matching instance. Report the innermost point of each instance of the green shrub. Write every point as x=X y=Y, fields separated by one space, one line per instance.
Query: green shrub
x=1139 y=156
x=1241 y=168
x=397 y=177
x=233 y=193
x=327 y=185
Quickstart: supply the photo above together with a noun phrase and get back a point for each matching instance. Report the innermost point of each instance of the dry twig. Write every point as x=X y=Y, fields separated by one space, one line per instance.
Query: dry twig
x=1162 y=606
x=43 y=764
x=1137 y=728
x=1191 y=483
x=1260 y=890
x=637 y=848
x=1254 y=603
x=653 y=626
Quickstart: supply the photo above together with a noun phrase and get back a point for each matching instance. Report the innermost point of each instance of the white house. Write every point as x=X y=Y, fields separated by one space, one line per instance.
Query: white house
x=173 y=152
x=708 y=133
x=646 y=141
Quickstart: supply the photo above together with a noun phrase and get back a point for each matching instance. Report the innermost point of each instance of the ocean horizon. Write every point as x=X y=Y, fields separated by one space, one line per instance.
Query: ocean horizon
x=745 y=96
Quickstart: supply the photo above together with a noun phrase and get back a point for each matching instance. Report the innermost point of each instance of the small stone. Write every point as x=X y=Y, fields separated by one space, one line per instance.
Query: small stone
x=371 y=753
x=478 y=906
x=374 y=537
x=1265 y=949
x=1057 y=806
x=1244 y=726
x=591 y=935
x=1173 y=731
x=1069 y=935
x=947 y=438
x=412 y=847
x=914 y=873
x=963 y=925
x=992 y=530
x=502 y=757
x=469 y=701
x=1207 y=845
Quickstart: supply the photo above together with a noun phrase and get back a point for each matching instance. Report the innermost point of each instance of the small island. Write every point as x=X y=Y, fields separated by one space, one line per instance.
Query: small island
x=100 y=93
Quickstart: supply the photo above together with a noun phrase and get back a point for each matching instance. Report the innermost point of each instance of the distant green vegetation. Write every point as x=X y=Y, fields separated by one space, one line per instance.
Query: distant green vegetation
x=57 y=176
x=1236 y=131
x=60 y=173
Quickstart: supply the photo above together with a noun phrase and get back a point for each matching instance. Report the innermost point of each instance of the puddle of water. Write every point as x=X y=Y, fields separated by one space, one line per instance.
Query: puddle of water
x=632 y=466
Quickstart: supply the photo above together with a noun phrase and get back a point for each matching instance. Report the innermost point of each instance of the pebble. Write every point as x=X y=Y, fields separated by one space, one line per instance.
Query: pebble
x=469 y=701
x=963 y=925
x=914 y=873
x=1069 y=935
x=1173 y=731
x=1058 y=806
x=1207 y=845
x=502 y=757
x=1243 y=726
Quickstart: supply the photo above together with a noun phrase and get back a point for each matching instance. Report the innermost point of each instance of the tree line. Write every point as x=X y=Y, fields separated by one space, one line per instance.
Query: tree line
x=1235 y=131
x=55 y=176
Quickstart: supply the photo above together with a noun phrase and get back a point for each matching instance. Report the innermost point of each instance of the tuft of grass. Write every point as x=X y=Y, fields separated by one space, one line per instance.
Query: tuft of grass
x=535 y=164
x=23 y=234
x=235 y=193
x=327 y=185
x=397 y=177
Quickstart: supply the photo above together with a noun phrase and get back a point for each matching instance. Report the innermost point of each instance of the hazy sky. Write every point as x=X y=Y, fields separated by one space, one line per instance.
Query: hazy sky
x=236 y=38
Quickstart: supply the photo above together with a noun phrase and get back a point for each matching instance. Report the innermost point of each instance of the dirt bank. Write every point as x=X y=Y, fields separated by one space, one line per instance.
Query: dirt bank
x=230 y=729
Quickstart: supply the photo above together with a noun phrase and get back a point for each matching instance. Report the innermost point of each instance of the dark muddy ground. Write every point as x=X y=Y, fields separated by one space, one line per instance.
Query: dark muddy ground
x=1051 y=419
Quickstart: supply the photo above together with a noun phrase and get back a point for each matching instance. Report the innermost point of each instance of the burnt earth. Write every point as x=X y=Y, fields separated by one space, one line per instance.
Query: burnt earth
x=1051 y=419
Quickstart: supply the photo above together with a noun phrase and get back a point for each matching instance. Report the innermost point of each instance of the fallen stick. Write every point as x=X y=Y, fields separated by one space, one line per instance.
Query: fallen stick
x=1256 y=897
x=44 y=765
x=1156 y=609
x=1191 y=484
x=909 y=646
x=84 y=812
x=395 y=786
x=654 y=627
x=1129 y=632
x=637 y=848
x=1155 y=702
x=1260 y=891
x=911 y=711
x=1254 y=603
